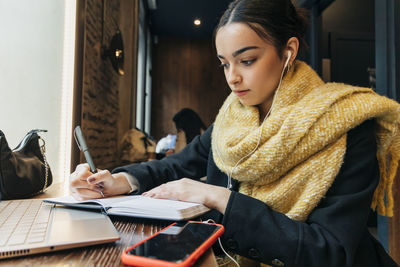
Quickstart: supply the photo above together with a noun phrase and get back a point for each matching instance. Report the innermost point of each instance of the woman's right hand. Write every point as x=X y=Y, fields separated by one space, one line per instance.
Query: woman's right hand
x=87 y=185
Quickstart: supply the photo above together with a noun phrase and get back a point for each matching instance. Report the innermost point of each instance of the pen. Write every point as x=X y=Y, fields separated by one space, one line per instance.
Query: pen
x=80 y=140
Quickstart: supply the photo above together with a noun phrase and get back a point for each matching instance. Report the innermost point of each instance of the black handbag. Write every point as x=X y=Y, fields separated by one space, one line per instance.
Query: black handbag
x=24 y=171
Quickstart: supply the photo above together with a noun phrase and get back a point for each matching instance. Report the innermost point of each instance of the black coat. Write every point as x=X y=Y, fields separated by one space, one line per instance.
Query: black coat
x=334 y=234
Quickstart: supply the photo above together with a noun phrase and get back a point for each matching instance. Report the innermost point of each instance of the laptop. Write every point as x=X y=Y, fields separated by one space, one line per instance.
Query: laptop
x=31 y=226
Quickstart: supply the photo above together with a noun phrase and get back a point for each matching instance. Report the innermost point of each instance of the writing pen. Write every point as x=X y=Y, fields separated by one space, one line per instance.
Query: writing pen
x=80 y=141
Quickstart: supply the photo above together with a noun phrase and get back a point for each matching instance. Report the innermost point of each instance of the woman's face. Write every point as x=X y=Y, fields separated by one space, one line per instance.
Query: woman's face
x=251 y=65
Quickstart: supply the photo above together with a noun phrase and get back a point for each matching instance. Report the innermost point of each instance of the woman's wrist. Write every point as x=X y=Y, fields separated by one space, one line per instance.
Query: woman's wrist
x=218 y=198
x=122 y=185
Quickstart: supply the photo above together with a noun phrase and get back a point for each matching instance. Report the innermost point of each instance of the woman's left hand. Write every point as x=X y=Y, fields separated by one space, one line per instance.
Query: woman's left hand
x=215 y=197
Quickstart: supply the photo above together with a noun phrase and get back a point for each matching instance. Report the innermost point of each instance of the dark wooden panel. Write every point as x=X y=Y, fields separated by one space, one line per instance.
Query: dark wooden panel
x=185 y=74
x=352 y=54
x=394 y=222
x=78 y=76
x=387 y=36
x=129 y=11
x=320 y=4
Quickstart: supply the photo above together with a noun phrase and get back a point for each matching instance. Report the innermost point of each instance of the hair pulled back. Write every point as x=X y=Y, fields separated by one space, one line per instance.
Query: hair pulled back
x=273 y=20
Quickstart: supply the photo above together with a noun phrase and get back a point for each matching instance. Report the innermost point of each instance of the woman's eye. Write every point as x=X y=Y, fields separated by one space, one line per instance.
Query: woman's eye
x=248 y=62
x=223 y=65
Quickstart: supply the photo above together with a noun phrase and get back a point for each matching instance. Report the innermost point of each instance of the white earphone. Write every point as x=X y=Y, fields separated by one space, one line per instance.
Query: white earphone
x=288 y=59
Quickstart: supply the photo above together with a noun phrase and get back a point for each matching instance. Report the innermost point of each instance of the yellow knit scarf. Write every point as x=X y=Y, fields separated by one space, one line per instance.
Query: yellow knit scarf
x=303 y=141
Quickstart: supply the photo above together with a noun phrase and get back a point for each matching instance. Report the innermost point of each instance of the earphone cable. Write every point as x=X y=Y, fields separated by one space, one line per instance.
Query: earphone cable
x=220 y=244
x=229 y=256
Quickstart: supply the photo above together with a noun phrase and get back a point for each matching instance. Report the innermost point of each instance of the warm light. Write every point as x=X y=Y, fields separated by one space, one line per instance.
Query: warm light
x=118 y=53
x=197 y=22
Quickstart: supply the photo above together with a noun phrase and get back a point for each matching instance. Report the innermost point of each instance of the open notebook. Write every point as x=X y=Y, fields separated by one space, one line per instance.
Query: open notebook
x=137 y=206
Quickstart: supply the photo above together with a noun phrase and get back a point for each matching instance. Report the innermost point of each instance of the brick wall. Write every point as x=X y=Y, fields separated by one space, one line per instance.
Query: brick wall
x=102 y=120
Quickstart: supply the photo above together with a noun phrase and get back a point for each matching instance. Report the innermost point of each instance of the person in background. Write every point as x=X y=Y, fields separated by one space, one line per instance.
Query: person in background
x=188 y=125
x=293 y=164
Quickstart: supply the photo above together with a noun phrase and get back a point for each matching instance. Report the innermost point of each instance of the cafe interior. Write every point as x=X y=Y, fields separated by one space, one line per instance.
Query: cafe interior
x=115 y=65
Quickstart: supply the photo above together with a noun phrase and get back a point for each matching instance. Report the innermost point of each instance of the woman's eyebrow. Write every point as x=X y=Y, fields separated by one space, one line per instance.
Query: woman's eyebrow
x=240 y=51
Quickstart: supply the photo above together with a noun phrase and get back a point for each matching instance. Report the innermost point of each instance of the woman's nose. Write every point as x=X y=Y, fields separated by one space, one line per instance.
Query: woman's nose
x=233 y=77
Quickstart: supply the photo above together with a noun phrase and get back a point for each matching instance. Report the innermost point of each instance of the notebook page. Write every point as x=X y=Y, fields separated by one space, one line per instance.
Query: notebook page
x=105 y=202
x=141 y=205
x=137 y=206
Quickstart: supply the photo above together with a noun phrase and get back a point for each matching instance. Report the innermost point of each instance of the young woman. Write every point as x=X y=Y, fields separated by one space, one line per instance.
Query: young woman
x=293 y=165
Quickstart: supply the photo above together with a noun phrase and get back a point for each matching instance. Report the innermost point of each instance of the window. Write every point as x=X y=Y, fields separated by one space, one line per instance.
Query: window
x=143 y=104
x=37 y=57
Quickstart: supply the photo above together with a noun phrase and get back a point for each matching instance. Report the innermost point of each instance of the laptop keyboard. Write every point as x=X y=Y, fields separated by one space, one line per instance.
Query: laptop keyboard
x=23 y=222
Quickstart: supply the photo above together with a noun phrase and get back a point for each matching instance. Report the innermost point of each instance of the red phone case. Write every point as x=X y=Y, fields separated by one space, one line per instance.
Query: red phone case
x=134 y=260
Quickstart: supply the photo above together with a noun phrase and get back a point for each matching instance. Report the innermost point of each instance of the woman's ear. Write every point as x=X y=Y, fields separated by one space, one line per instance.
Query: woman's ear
x=292 y=45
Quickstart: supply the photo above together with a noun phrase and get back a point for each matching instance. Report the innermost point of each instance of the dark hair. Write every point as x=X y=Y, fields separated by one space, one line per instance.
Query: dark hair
x=188 y=121
x=273 y=20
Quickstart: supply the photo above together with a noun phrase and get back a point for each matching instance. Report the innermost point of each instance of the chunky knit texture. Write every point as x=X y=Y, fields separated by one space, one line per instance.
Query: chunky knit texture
x=303 y=141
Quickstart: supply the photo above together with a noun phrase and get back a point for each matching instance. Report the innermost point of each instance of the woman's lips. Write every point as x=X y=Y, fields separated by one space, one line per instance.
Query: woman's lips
x=240 y=93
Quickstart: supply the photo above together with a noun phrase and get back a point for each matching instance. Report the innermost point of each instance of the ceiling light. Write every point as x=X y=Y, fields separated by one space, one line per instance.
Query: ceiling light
x=197 y=22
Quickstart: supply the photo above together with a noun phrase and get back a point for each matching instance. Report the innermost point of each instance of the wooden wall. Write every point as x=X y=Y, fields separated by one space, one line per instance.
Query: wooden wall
x=103 y=99
x=394 y=222
x=185 y=75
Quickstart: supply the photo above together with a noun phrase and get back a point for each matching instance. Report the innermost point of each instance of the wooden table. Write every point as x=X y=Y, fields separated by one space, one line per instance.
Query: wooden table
x=131 y=231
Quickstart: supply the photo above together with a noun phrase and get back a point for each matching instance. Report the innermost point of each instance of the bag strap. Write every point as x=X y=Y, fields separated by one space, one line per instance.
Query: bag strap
x=26 y=139
x=46 y=165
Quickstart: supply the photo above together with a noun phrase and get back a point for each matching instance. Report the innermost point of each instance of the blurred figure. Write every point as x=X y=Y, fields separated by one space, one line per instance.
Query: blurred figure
x=188 y=125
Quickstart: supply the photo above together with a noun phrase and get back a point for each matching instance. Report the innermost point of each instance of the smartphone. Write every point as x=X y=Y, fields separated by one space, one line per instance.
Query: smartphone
x=179 y=244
